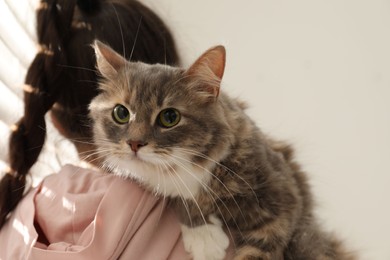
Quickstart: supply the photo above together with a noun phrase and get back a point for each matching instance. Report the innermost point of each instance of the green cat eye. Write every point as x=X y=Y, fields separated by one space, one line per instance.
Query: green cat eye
x=121 y=114
x=168 y=118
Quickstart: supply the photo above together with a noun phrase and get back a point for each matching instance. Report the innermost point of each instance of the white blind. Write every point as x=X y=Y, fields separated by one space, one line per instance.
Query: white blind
x=17 y=49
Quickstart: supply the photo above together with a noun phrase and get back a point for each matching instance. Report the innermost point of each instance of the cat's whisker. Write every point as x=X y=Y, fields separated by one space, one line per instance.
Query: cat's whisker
x=111 y=167
x=136 y=37
x=186 y=186
x=76 y=67
x=172 y=173
x=216 y=177
x=124 y=47
x=209 y=191
x=120 y=29
x=160 y=171
x=203 y=156
x=88 y=154
x=95 y=158
x=89 y=141
x=93 y=146
x=165 y=52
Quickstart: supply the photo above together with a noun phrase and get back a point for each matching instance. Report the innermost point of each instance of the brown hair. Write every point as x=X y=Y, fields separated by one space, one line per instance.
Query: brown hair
x=63 y=73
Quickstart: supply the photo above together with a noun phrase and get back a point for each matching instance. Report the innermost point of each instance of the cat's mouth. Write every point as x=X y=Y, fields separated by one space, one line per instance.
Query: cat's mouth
x=139 y=157
x=136 y=157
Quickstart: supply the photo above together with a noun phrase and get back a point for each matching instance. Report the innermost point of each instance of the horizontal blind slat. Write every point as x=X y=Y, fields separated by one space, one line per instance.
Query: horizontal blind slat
x=14 y=37
x=12 y=73
x=25 y=15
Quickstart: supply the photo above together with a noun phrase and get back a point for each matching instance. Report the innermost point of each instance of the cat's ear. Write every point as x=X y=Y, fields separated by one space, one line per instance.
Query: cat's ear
x=108 y=61
x=209 y=68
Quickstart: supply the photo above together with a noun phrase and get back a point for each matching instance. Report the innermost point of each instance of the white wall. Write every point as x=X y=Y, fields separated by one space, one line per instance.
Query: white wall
x=315 y=73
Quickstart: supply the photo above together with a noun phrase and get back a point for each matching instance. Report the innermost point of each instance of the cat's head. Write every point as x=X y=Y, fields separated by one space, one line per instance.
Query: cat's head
x=162 y=125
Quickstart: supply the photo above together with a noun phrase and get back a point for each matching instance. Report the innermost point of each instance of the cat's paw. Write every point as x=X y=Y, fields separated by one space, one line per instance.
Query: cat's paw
x=206 y=242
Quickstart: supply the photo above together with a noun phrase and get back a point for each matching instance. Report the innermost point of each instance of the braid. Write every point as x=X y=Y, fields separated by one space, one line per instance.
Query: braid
x=28 y=135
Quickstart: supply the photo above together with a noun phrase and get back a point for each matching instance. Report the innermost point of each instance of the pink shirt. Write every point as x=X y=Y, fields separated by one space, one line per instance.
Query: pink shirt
x=83 y=214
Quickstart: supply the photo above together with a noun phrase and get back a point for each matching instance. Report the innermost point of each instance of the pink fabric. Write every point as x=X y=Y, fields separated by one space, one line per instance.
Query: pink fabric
x=91 y=215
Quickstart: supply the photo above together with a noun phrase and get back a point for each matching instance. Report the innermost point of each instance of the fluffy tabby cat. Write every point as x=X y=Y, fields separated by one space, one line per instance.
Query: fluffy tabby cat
x=179 y=136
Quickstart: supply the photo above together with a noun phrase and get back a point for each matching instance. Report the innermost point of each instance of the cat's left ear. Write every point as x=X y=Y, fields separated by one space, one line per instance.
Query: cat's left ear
x=209 y=68
x=108 y=61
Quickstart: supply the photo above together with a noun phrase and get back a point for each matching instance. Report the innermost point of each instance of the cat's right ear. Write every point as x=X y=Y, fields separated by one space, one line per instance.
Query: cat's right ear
x=108 y=61
x=209 y=69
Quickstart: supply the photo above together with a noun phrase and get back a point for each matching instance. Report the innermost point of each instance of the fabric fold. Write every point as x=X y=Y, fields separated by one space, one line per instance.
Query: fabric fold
x=85 y=214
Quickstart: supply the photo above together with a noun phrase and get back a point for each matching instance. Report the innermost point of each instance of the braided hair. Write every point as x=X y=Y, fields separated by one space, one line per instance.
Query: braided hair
x=62 y=77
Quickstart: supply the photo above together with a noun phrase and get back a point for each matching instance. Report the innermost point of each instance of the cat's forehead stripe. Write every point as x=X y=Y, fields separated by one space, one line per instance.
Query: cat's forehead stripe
x=151 y=83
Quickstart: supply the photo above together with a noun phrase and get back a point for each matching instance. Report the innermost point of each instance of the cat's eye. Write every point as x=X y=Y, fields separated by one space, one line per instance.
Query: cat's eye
x=168 y=118
x=121 y=114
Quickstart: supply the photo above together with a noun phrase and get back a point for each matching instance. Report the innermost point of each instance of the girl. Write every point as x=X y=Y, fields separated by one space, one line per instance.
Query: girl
x=82 y=213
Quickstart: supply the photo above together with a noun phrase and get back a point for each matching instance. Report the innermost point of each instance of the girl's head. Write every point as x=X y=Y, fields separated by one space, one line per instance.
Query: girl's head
x=62 y=78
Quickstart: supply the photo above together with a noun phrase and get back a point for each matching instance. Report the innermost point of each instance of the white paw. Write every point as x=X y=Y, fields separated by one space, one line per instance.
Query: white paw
x=206 y=242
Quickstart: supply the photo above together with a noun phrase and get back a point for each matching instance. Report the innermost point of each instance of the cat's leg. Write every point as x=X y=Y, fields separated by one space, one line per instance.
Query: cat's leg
x=267 y=242
x=206 y=242
x=252 y=253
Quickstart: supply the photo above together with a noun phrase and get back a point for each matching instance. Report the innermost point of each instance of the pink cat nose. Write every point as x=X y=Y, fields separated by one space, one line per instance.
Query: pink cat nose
x=136 y=145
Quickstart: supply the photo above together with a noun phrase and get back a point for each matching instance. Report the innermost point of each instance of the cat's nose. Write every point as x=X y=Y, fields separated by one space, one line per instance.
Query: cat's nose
x=136 y=145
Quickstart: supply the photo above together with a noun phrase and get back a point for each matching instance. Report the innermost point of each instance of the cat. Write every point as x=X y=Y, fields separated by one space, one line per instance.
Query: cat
x=180 y=136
